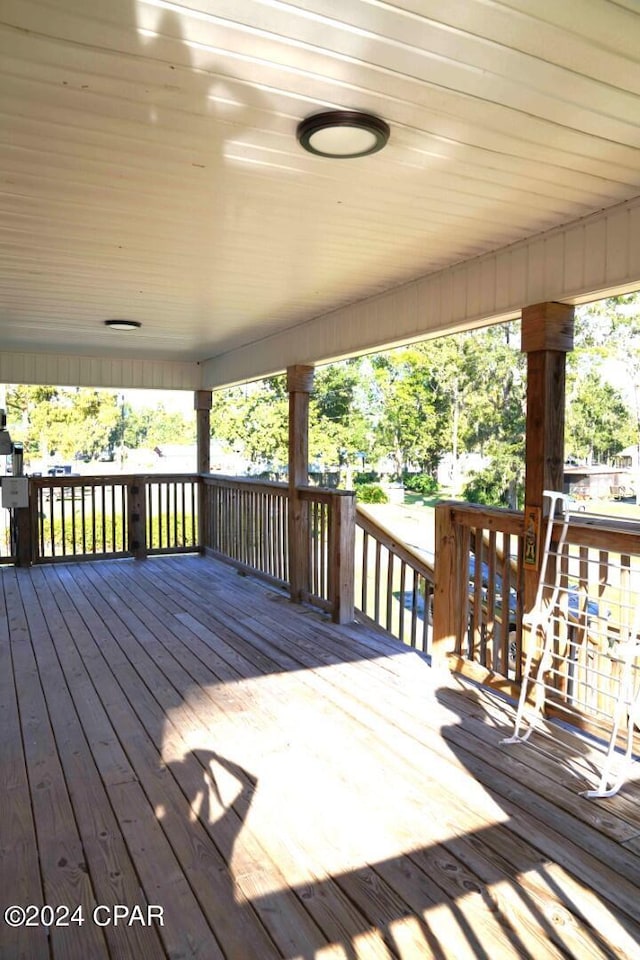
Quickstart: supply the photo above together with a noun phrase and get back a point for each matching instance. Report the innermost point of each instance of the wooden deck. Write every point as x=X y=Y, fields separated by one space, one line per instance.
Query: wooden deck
x=175 y=735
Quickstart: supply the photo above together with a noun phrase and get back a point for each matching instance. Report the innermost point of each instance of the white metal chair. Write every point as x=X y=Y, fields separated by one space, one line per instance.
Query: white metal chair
x=622 y=644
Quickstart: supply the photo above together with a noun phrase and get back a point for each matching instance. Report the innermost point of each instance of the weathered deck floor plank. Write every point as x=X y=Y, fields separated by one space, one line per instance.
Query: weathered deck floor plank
x=177 y=735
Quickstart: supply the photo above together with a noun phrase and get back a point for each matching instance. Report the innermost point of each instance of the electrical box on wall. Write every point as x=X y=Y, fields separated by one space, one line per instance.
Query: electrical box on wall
x=15 y=492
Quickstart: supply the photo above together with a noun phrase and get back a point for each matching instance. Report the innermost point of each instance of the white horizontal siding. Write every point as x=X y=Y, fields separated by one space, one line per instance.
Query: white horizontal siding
x=97 y=372
x=581 y=261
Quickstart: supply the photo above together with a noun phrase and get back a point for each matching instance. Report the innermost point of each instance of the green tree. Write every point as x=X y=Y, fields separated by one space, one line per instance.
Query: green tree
x=494 y=413
x=339 y=416
x=603 y=406
x=414 y=424
x=598 y=421
x=63 y=421
x=253 y=420
x=152 y=427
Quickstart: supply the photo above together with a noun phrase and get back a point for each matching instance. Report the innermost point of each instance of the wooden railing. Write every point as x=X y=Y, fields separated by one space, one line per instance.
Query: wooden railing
x=244 y=521
x=478 y=589
x=478 y=613
x=79 y=517
x=172 y=507
x=83 y=518
x=393 y=583
x=330 y=562
x=248 y=523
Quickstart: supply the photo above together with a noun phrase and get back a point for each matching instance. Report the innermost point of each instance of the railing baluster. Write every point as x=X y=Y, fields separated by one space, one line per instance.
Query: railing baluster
x=175 y=515
x=114 y=539
x=380 y=576
x=41 y=520
x=389 y=596
x=365 y=571
x=83 y=513
x=73 y=520
x=51 y=521
x=502 y=664
x=403 y=577
x=376 y=584
x=326 y=520
x=428 y=594
x=489 y=651
x=415 y=595
x=63 y=523
x=103 y=491
x=167 y=490
x=124 y=543
x=93 y=519
x=476 y=599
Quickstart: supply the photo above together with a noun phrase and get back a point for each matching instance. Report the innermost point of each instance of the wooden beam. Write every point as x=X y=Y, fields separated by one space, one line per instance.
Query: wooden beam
x=450 y=591
x=547 y=326
x=342 y=555
x=299 y=385
x=137 y=508
x=202 y=400
x=24 y=536
x=547 y=336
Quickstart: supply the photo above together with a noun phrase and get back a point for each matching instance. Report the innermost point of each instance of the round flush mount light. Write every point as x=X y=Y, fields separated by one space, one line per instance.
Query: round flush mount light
x=343 y=134
x=122 y=324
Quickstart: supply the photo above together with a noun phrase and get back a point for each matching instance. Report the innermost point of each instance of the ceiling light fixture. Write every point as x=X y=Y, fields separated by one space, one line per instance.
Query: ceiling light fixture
x=343 y=134
x=122 y=324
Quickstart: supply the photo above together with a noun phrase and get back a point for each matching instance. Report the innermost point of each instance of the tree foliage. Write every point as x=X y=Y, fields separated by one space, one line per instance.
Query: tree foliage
x=65 y=422
x=598 y=424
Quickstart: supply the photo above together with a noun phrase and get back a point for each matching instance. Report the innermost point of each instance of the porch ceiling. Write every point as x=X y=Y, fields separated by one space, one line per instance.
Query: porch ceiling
x=150 y=168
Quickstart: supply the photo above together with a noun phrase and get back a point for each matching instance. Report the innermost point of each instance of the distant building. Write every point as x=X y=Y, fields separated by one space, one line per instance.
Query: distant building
x=598 y=483
x=628 y=458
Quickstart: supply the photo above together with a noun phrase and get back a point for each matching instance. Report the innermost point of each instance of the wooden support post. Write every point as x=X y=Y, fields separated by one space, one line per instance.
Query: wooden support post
x=137 y=511
x=202 y=403
x=299 y=385
x=342 y=555
x=450 y=600
x=547 y=336
x=24 y=541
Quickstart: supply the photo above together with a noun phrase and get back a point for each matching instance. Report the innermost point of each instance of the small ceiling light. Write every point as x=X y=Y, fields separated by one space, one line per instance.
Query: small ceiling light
x=122 y=324
x=343 y=134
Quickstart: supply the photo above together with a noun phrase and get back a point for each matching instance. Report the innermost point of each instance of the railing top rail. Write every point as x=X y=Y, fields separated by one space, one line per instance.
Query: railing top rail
x=589 y=530
x=322 y=494
x=166 y=477
x=249 y=483
x=604 y=533
x=95 y=480
x=389 y=540
x=81 y=481
x=491 y=518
